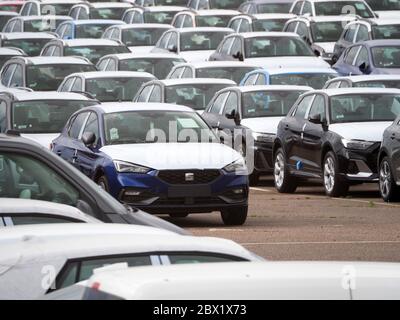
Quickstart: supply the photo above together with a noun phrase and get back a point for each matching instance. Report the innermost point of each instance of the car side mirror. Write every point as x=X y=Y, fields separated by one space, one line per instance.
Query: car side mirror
x=316 y=119
x=364 y=67
x=235 y=116
x=172 y=48
x=238 y=55
x=88 y=138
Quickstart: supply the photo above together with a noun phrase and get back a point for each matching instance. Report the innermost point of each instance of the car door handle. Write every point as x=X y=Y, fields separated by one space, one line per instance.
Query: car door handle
x=59 y=152
x=393 y=136
x=286 y=127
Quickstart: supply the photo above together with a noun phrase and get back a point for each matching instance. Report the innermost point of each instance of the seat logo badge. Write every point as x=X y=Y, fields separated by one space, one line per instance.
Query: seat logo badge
x=189 y=176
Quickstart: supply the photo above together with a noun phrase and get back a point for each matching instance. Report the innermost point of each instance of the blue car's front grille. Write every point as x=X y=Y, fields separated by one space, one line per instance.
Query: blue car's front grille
x=188 y=176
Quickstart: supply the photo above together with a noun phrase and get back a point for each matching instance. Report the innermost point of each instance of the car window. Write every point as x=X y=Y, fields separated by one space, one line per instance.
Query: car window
x=362 y=57
x=92 y=125
x=297 y=8
x=22 y=176
x=155 y=95
x=178 y=21
x=7 y=73
x=344 y=84
x=291 y=27
x=185 y=259
x=28 y=220
x=250 y=80
x=66 y=85
x=232 y=103
x=77 y=86
x=187 y=22
x=302 y=31
x=362 y=34
x=351 y=54
x=144 y=93
x=236 y=46
x=226 y=45
x=101 y=65
x=17 y=78
x=235 y=24
x=318 y=107
x=173 y=40
x=3 y=116
x=17 y=26
x=83 y=15
x=218 y=103
x=176 y=74
x=350 y=33
x=303 y=106
x=164 y=40
x=112 y=65
x=245 y=26
x=25 y=9
x=334 y=85
x=76 y=125
x=260 y=80
x=188 y=73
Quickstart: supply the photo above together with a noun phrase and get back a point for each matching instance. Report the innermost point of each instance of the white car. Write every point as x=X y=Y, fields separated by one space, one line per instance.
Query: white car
x=30 y=42
x=193 y=44
x=39 y=116
x=106 y=86
x=373 y=81
x=268 y=50
x=260 y=22
x=151 y=14
x=232 y=70
x=14 y=212
x=139 y=38
x=203 y=18
x=34 y=262
x=46 y=7
x=243 y=281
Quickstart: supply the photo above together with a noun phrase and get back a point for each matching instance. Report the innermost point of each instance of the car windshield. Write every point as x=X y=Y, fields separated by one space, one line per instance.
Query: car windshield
x=269 y=24
x=11 y=7
x=44 y=116
x=90 y=30
x=4 y=20
x=155 y=127
x=115 y=89
x=201 y=40
x=384 y=5
x=94 y=53
x=268 y=103
x=337 y=8
x=182 y=3
x=225 y=4
x=195 y=96
x=364 y=107
x=49 y=77
x=232 y=73
x=164 y=17
x=213 y=21
x=314 y=80
x=31 y=47
x=273 y=7
x=386 y=31
x=329 y=31
x=378 y=84
x=158 y=67
x=259 y=47
x=60 y=9
x=42 y=25
x=142 y=36
x=386 y=57
x=107 y=13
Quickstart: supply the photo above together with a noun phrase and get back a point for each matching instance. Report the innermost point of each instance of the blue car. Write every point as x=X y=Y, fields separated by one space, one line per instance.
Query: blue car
x=311 y=77
x=370 y=57
x=149 y=155
x=90 y=29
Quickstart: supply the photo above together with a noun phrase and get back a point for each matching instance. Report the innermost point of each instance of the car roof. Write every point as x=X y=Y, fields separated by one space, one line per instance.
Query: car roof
x=96 y=21
x=245 y=89
x=112 y=74
x=4 y=51
x=296 y=71
x=163 y=8
x=146 y=25
x=27 y=35
x=346 y=91
x=273 y=16
x=370 y=77
x=381 y=22
x=192 y=81
x=41 y=60
x=23 y=206
x=107 y=4
x=376 y=43
x=161 y=55
x=56 y=1
x=220 y=12
x=21 y=95
x=270 y=1
x=203 y=29
x=89 y=42
x=217 y=64
x=115 y=107
x=8 y=13
x=328 y=18
x=267 y=34
x=51 y=17
x=246 y=280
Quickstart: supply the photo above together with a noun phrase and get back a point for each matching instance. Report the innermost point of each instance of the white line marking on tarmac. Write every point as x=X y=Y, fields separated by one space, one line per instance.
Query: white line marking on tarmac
x=259 y=189
x=318 y=242
x=368 y=202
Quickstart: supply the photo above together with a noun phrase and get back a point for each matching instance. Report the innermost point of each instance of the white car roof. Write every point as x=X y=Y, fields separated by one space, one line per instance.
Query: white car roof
x=267 y=34
x=90 y=42
x=161 y=55
x=245 y=89
x=108 y=4
x=375 y=77
x=147 y=26
x=342 y=91
x=42 y=60
x=22 y=95
x=217 y=64
x=112 y=74
x=27 y=35
x=56 y=1
x=262 y=16
x=215 y=12
x=22 y=206
x=251 y=281
x=384 y=22
x=163 y=8
x=204 y=29
x=182 y=81
x=300 y=70
x=111 y=107
x=328 y=18
x=10 y=51
x=97 y=21
x=48 y=17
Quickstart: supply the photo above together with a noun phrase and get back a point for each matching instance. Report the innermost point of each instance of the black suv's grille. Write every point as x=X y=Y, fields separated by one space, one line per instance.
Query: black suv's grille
x=188 y=176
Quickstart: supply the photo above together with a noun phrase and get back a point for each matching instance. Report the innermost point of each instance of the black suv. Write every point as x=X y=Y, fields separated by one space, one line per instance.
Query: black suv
x=30 y=171
x=389 y=163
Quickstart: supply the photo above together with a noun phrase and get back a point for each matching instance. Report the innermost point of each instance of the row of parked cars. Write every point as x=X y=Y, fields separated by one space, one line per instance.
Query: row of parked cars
x=176 y=107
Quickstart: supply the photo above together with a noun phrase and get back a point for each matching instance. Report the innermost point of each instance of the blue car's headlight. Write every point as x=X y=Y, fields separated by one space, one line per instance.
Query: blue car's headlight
x=127 y=167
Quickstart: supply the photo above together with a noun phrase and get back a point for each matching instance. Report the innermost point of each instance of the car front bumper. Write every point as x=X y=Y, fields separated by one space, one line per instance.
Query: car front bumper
x=263 y=162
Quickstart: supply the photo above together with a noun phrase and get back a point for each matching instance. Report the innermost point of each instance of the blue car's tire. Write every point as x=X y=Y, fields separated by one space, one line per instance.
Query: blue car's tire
x=103 y=183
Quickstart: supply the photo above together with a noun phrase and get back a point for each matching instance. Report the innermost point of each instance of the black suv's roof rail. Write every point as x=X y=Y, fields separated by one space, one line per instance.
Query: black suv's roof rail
x=11 y=132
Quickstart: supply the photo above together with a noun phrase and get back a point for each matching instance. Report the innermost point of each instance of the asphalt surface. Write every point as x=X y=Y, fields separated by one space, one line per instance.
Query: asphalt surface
x=308 y=225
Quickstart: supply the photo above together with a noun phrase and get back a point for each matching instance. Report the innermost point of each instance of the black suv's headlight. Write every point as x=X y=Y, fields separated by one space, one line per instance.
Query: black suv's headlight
x=357 y=144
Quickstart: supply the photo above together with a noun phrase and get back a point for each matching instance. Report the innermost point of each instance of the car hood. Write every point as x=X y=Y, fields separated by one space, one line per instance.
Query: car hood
x=367 y=131
x=196 y=56
x=174 y=156
x=328 y=47
x=262 y=125
x=44 y=139
x=141 y=49
x=386 y=71
x=388 y=14
x=289 y=62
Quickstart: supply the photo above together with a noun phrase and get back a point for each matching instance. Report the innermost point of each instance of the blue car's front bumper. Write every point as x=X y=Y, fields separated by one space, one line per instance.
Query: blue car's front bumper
x=167 y=191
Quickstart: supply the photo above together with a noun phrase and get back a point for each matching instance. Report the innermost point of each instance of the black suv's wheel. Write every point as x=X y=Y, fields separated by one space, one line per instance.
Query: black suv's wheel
x=387 y=185
x=234 y=216
x=179 y=215
x=284 y=182
x=334 y=185
x=103 y=183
